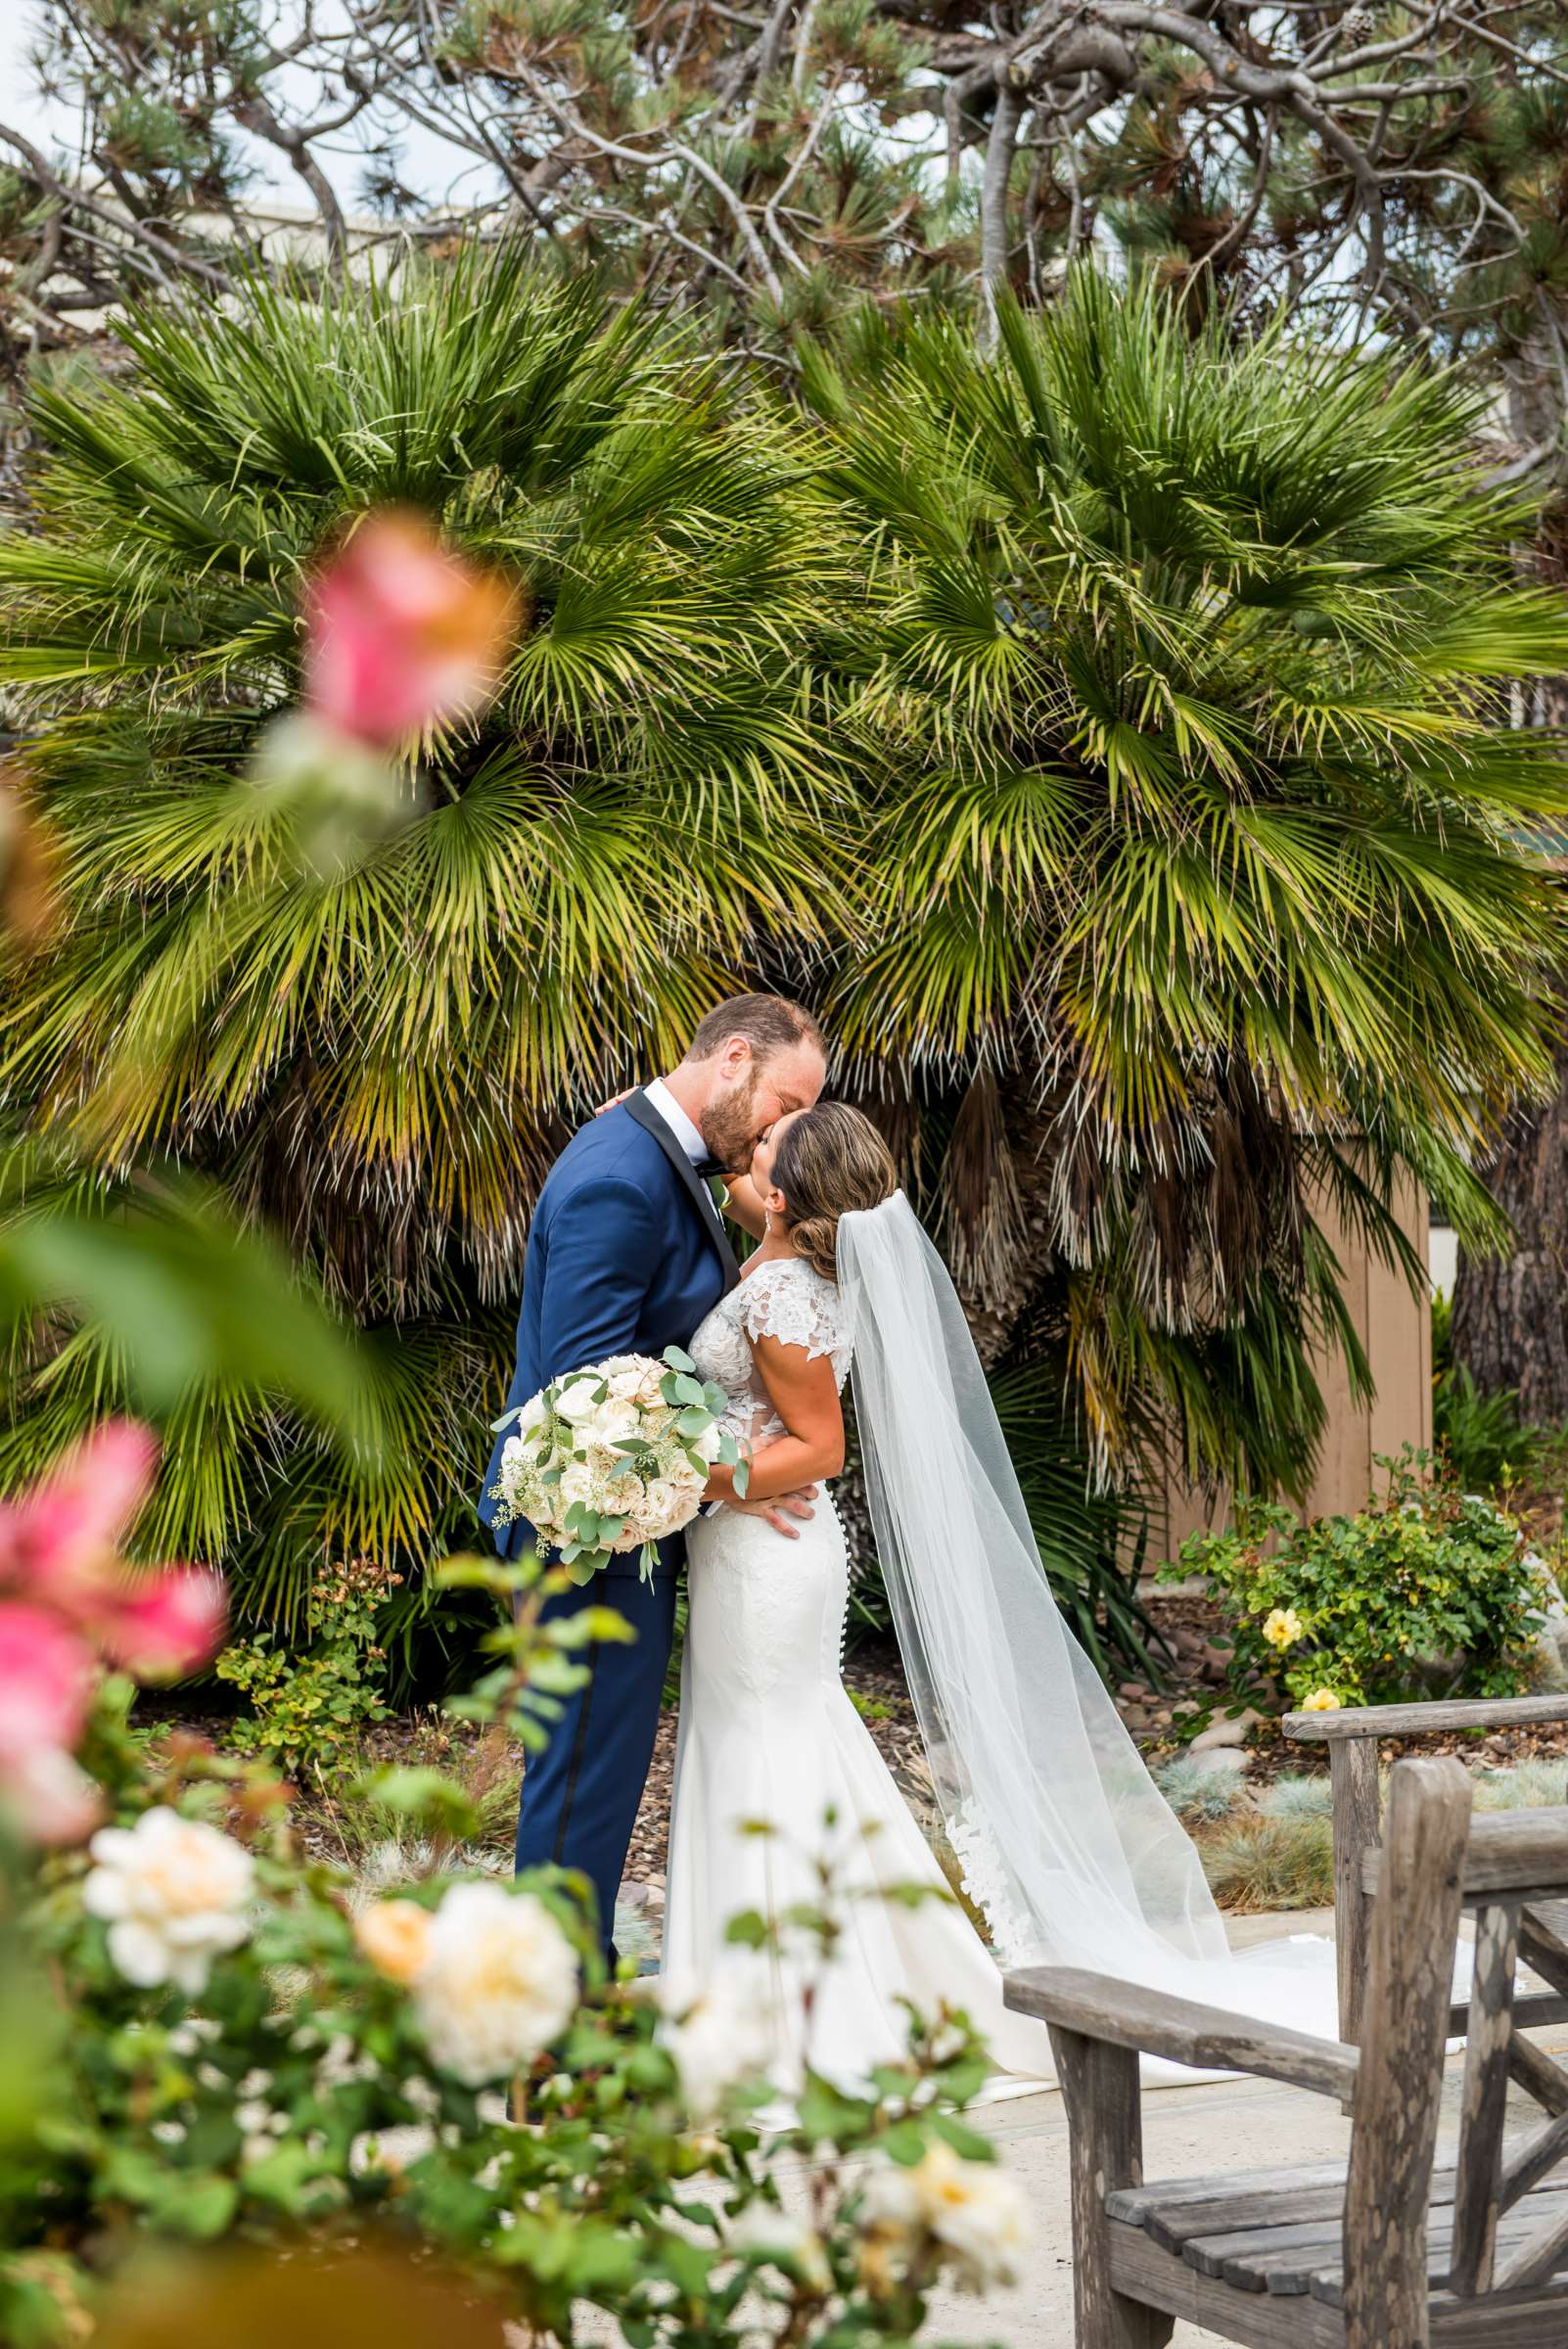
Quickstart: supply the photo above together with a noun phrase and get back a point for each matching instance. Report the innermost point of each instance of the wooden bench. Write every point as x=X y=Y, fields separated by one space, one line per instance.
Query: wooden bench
x=1352 y=1737
x=1394 y=2250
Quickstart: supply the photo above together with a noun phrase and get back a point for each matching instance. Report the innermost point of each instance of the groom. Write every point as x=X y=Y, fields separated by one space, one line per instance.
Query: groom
x=627 y=1255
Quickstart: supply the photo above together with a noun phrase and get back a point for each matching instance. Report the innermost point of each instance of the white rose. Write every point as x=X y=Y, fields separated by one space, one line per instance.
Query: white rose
x=498 y=1983
x=651 y=1385
x=532 y=1417
x=724 y=2037
x=390 y=2150
x=707 y=1444
x=665 y=1507
x=578 y=1483
x=778 y=2235
x=579 y=1399
x=174 y=1892
x=625 y=1385
x=612 y=1424
x=973 y=2210
x=519 y=1460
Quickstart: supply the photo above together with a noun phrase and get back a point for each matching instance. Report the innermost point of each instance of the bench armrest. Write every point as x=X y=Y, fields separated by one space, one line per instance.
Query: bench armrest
x=1125 y=2015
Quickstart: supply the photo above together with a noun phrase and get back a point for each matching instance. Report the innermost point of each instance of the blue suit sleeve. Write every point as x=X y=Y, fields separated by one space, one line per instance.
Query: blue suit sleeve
x=604 y=1247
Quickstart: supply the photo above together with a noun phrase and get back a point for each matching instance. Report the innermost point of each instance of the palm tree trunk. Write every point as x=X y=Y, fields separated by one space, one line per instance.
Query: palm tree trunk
x=1510 y=1317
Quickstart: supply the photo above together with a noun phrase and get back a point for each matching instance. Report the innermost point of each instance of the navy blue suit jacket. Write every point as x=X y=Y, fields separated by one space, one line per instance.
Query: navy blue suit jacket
x=627 y=1253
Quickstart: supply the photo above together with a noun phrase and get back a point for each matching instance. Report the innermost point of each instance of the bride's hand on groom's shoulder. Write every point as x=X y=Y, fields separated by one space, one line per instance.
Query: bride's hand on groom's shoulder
x=779 y=1510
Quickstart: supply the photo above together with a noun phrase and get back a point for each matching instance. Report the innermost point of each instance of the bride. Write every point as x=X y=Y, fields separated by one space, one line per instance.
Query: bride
x=1061 y=1839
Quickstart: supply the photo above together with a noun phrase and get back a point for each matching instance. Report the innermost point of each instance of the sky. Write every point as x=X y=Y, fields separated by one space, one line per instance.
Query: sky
x=428 y=164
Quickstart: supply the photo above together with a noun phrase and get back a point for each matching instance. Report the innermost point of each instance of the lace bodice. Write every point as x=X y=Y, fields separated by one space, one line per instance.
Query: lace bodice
x=786 y=1299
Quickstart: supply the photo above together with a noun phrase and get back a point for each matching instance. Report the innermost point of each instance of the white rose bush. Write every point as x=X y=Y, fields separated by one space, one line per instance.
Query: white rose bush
x=176 y=1891
x=206 y=2036
x=614 y=1458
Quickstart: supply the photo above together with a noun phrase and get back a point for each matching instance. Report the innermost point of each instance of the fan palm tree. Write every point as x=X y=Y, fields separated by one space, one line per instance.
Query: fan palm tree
x=378 y=1061
x=1198 y=877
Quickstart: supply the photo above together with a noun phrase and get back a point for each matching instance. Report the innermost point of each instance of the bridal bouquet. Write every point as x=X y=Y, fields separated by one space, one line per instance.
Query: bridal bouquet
x=612 y=1458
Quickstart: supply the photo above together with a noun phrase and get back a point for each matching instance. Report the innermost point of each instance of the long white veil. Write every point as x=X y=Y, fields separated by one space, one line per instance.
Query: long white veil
x=1065 y=1841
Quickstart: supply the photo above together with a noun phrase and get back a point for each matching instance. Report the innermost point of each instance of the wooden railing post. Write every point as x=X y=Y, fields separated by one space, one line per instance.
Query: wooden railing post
x=1416 y=1922
x=1358 y=1825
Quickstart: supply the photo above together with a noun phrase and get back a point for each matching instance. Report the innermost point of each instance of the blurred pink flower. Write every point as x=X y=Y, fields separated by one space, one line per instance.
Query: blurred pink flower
x=60 y=1542
x=401 y=634
x=167 y=1624
x=73 y=1604
x=46 y=1682
x=50 y=1799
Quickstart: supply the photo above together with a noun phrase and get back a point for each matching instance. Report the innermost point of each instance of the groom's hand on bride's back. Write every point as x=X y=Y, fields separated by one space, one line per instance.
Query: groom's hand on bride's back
x=778 y=1511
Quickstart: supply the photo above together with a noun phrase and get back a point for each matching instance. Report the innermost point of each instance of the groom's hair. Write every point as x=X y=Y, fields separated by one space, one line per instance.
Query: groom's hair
x=769 y=1024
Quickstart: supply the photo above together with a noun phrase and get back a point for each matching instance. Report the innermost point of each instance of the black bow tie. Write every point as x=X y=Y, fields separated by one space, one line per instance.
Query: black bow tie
x=707 y=1168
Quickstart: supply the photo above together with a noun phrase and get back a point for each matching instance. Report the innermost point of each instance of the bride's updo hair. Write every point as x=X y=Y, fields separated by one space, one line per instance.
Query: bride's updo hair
x=830 y=1162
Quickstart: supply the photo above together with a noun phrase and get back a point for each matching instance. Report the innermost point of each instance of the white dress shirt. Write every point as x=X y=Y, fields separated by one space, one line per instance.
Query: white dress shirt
x=660 y=1097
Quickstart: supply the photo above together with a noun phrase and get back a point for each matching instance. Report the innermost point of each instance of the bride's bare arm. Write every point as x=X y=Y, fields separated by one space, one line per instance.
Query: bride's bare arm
x=804 y=1394
x=745 y=1205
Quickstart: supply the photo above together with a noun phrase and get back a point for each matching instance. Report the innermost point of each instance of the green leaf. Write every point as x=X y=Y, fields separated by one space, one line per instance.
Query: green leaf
x=964 y=2140
x=203 y=2207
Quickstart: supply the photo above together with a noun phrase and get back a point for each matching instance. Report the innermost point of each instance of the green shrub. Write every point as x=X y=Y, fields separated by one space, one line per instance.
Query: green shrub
x=285 y=2065
x=1527 y=1786
x=309 y=1704
x=1426 y=1591
x=1262 y=1863
x=1198 y=1795
x=1481 y=1436
x=1297 y=1797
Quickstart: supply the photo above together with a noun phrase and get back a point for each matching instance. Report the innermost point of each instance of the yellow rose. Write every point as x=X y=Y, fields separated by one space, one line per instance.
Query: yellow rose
x=395 y=1936
x=1322 y=1700
x=1282 y=1627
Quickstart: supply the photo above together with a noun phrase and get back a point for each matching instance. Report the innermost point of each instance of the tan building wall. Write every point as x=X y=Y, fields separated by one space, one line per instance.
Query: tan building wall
x=1396 y=1330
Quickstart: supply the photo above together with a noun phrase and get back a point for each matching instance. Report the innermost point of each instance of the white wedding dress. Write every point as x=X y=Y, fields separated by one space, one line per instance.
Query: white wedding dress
x=768 y=1737
x=1065 y=1844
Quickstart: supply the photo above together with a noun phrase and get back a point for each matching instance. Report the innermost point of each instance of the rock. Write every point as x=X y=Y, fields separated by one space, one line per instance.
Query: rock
x=1133 y=1690
x=1221 y=1761
x=1225 y=1733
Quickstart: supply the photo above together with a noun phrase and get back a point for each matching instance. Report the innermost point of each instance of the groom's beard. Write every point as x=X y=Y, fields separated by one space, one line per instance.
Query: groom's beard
x=730 y=1129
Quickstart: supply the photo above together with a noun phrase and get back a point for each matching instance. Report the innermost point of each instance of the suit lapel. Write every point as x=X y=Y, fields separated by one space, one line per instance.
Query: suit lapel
x=647 y=1116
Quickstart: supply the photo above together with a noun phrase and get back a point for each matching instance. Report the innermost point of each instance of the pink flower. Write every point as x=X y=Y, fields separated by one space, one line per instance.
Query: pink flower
x=167 y=1624
x=401 y=634
x=60 y=1542
x=46 y=1682
x=49 y=1798
x=76 y=1602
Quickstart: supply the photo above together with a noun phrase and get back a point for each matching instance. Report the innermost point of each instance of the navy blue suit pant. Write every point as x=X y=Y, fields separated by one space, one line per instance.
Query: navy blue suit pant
x=580 y=1795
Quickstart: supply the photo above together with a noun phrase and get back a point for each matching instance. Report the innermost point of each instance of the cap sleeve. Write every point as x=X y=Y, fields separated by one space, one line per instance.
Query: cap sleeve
x=792 y=1303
